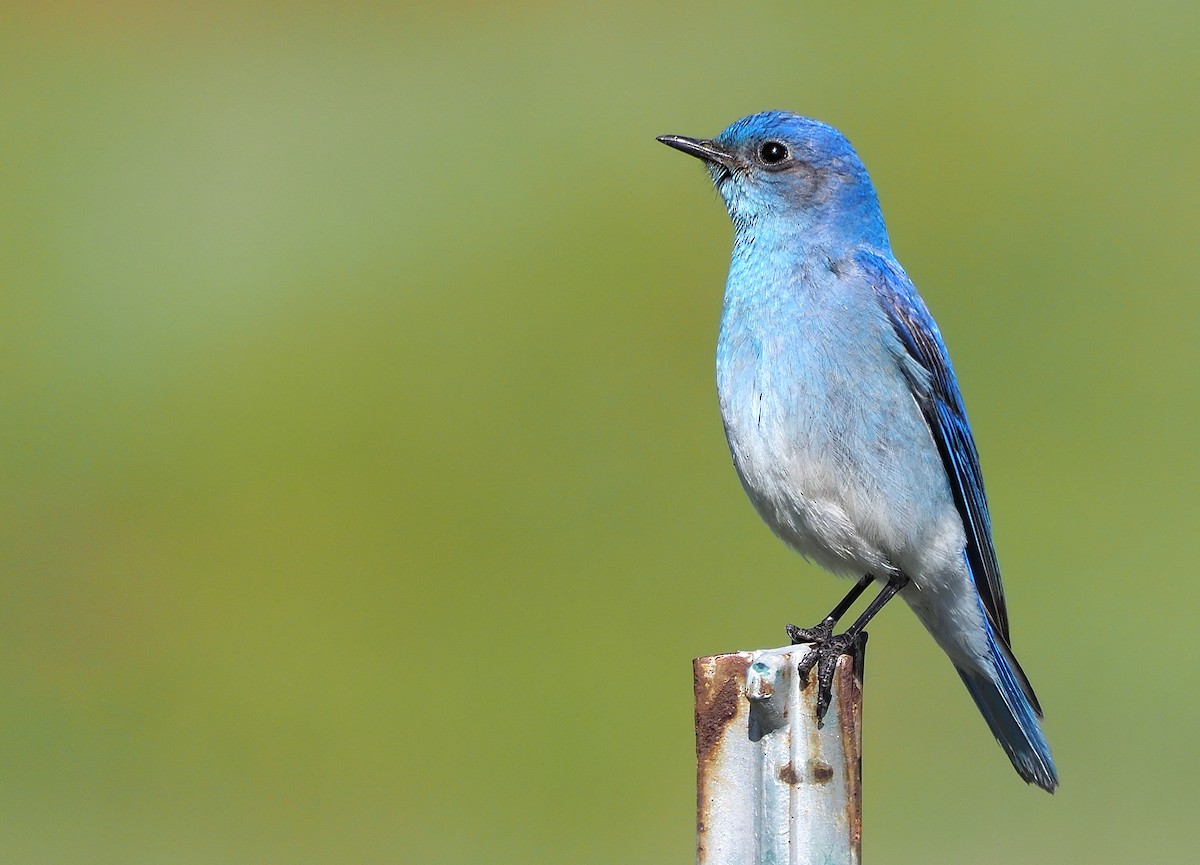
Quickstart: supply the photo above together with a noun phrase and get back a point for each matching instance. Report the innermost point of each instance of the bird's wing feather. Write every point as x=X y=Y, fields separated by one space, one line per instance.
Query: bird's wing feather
x=942 y=405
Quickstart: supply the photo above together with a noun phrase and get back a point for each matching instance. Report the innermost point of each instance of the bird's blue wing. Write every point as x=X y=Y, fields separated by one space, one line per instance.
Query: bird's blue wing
x=941 y=403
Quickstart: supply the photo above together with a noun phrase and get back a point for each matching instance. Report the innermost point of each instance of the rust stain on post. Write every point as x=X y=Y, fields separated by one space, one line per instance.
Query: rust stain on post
x=788 y=775
x=849 y=684
x=718 y=682
x=822 y=773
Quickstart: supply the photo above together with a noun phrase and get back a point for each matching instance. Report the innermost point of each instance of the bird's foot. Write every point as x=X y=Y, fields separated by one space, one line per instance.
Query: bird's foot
x=816 y=634
x=824 y=655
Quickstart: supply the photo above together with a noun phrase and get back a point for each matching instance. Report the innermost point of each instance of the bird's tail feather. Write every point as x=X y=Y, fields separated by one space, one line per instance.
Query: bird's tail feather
x=1012 y=717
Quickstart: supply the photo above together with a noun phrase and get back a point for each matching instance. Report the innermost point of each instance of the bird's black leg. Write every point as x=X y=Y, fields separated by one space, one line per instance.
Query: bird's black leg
x=824 y=630
x=828 y=647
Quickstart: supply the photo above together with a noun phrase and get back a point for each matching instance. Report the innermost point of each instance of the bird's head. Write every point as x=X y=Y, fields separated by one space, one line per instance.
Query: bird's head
x=790 y=173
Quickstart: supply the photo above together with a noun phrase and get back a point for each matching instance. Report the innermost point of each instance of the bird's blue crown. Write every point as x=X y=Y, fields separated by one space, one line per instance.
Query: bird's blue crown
x=812 y=141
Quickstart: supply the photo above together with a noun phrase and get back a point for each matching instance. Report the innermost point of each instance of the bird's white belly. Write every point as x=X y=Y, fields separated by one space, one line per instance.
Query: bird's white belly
x=834 y=476
x=795 y=493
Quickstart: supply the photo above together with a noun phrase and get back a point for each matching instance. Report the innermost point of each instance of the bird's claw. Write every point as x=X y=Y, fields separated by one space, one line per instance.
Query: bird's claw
x=824 y=656
x=816 y=634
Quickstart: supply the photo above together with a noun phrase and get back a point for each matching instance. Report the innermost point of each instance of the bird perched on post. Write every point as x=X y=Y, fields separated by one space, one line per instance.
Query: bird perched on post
x=843 y=415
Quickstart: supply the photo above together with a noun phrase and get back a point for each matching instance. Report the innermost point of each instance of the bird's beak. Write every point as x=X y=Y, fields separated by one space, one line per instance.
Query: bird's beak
x=701 y=148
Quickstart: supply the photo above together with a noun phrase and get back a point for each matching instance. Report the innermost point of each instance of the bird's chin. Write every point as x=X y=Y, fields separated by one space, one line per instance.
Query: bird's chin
x=720 y=174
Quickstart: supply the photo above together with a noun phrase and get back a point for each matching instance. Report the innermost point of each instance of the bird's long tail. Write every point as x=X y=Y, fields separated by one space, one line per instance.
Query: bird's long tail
x=1012 y=715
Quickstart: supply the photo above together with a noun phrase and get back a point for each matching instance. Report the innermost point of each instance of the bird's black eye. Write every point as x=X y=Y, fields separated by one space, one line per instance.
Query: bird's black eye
x=772 y=153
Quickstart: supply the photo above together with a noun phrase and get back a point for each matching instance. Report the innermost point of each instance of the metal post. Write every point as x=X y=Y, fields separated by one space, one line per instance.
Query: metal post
x=772 y=786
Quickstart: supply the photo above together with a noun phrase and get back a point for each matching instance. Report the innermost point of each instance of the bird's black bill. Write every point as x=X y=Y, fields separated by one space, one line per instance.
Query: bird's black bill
x=709 y=151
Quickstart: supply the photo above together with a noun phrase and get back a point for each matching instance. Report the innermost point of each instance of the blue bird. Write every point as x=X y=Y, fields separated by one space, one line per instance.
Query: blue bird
x=844 y=418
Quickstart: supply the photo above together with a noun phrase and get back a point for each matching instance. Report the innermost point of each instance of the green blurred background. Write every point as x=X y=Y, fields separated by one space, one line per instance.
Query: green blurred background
x=363 y=496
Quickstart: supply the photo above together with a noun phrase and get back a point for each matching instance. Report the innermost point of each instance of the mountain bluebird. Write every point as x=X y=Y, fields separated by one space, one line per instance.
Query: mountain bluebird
x=843 y=415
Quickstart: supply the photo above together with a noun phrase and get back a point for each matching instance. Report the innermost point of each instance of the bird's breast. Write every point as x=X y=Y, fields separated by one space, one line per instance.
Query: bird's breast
x=825 y=435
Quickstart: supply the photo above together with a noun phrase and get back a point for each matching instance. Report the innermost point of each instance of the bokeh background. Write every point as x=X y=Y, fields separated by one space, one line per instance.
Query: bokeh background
x=363 y=496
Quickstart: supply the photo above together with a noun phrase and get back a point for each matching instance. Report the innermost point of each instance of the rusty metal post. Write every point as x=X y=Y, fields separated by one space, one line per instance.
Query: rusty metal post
x=773 y=786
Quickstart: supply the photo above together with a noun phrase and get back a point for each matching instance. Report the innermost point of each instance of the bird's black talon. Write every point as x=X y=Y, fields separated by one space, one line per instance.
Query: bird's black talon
x=815 y=634
x=806 y=664
x=824 y=656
